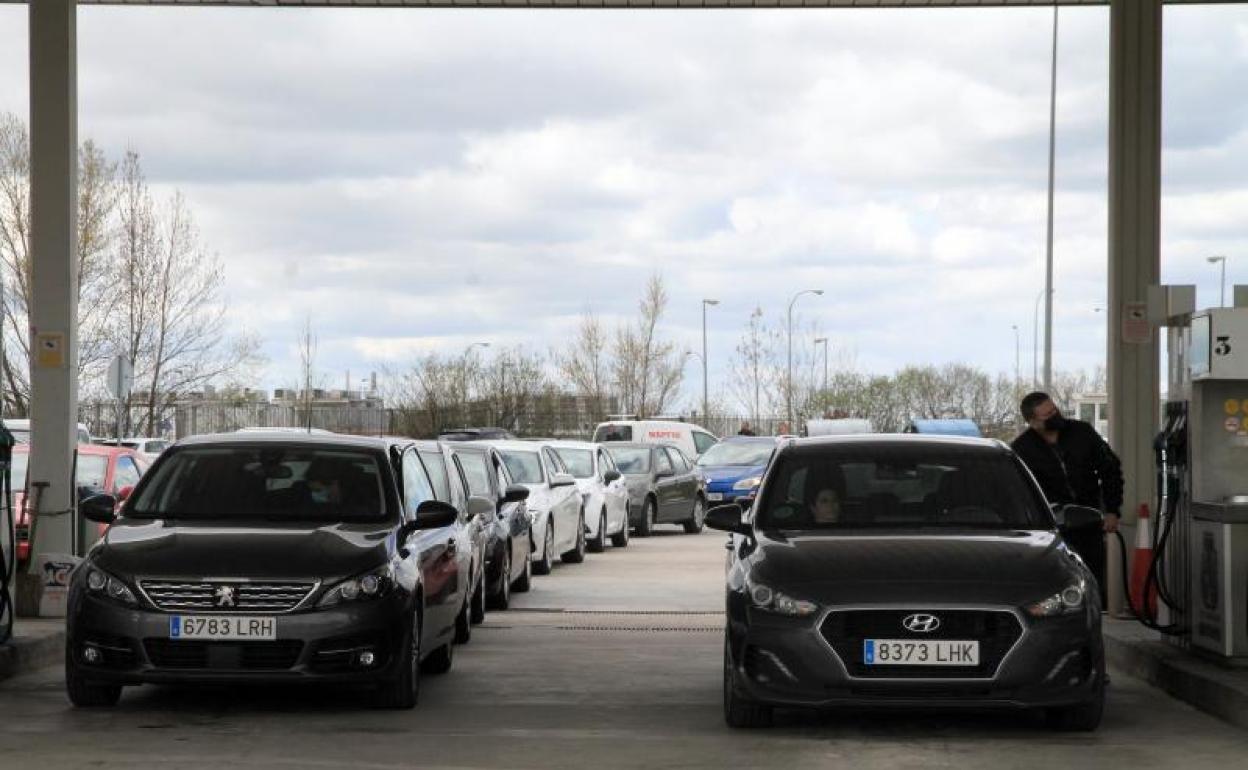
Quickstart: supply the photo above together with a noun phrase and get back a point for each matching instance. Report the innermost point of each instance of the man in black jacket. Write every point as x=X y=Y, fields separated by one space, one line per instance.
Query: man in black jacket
x=1073 y=465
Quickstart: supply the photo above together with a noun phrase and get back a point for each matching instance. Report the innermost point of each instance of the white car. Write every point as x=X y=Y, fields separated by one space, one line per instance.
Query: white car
x=603 y=491
x=150 y=448
x=554 y=502
x=692 y=439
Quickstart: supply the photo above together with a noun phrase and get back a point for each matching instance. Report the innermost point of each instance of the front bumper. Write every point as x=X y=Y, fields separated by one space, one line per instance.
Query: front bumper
x=717 y=494
x=782 y=661
x=134 y=647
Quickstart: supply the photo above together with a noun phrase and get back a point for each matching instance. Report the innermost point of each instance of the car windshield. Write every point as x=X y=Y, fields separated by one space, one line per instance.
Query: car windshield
x=580 y=462
x=737 y=453
x=266 y=483
x=630 y=459
x=524 y=467
x=900 y=487
x=613 y=433
x=91 y=473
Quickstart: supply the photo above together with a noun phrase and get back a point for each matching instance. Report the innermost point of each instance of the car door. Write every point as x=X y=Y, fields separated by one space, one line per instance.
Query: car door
x=665 y=484
x=686 y=482
x=615 y=492
x=514 y=516
x=478 y=480
x=566 y=503
x=435 y=550
x=474 y=531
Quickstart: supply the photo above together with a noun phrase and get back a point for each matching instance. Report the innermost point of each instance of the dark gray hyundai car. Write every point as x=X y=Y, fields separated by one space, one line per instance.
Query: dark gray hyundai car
x=908 y=571
x=276 y=558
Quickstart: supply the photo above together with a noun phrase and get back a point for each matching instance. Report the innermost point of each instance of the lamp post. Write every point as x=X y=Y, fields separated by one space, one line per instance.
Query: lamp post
x=789 y=394
x=824 y=341
x=1048 y=260
x=1035 y=342
x=1018 y=379
x=1214 y=260
x=706 y=388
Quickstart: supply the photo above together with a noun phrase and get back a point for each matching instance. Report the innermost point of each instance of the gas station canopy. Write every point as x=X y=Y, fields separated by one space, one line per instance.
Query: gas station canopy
x=626 y=3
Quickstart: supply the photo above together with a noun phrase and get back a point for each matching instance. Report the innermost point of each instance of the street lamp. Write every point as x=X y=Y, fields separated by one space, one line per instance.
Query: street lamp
x=1214 y=260
x=824 y=341
x=706 y=388
x=789 y=397
x=1048 y=259
x=1035 y=342
x=1018 y=380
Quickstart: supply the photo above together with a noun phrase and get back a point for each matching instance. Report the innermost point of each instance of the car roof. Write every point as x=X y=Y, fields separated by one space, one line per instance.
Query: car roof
x=90 y=450
x=513 y=445
x=570 y=444
x=289 y=438
x=751 y=439
x=634 y=445
x=880 y=440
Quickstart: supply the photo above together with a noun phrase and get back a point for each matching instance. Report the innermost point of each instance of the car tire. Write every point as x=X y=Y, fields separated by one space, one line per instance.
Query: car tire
x=477 y=612
x=501 y=599
x=1081 y=718
x=403 y=691
x=440 y=660
x=544 y=565
x=599 y=544
x=693 y=526
x=577 y=554
x=620 y=539
x=645 y=527
x=525 y=582
x=463 y=623
x=84 y=693
x=740 y=712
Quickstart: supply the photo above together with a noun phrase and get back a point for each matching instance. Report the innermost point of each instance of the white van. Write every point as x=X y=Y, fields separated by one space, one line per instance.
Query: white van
x=838 y=427
x=692 y=439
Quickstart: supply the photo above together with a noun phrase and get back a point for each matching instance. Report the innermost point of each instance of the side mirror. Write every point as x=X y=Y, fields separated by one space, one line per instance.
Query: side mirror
x=433 y=514
x=479 y=506
x=562 y=480
x=611 y=476
x=1077 y=518
x=400 y=537
x=727 y=518
x=99 y=508
x=515 y=493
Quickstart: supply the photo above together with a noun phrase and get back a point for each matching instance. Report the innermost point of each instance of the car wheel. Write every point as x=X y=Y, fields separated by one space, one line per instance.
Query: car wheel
x=404 y=690
x=1083 y=717
x=525 y=581
x=463 y=623
x=501 y=599
x=544 y=565
x=477 y=614
x=738 y=711
x=577 y=554
x=620 y=539
x=599 y=544
x=693 y=525
x=646 y=527
x=85 y=694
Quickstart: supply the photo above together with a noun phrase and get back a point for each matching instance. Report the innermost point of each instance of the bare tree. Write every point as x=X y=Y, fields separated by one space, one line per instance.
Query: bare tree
x=308 y=378
x=587 y=366
x=753 y=370
x=648 y=370
x=510 y=383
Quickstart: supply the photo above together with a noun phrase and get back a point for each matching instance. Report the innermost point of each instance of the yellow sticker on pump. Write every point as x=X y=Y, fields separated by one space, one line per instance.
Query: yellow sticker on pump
x=1232 y=406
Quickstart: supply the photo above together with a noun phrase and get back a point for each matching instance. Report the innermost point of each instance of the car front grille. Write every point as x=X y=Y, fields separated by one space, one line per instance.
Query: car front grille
x=226 y=596
x=996 y=631
x=223 y=656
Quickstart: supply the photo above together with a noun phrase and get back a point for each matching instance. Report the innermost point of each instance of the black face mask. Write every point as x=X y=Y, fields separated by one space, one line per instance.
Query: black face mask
x=1056 y=422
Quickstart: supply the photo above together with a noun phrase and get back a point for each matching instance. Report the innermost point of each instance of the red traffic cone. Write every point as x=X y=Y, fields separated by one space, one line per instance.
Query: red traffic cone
x=1141 y=561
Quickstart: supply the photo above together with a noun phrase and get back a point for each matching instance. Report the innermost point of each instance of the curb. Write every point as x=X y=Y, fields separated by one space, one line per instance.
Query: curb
x=1216 y=690
x=27 y=651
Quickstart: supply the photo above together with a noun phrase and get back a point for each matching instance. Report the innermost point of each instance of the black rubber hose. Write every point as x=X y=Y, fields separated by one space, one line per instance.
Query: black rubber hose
x=8 y=566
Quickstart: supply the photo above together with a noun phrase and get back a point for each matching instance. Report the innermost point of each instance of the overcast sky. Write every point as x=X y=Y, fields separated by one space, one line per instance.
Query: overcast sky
x=419 y=180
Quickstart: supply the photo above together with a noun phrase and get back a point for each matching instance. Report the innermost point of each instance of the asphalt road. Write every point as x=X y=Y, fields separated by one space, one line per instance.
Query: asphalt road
x=610 y=663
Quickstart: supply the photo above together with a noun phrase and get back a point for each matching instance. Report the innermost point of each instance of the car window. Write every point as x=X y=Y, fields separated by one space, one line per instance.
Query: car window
x=703 y=441
x=743 y=453
x=127 y=474
x=579 y=462
x=678 y=460
x=605 y=463
x=92 y=472
x=435 y=463
x=664 y=465
x=459 y=485
x=553 y=463
x=525 y=467
x=630 y=459
x=504 y=478
x=417 y=488
x=912 y=487
x=265 y=484
x=613 y=433
x=477 y=473
x=156 y=447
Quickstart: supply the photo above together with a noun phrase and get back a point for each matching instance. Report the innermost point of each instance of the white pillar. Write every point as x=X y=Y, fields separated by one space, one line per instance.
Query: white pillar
x=1134 y=246
x=54 y=274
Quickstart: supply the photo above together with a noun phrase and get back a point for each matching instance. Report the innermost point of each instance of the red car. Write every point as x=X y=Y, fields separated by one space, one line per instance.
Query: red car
x=110 y=469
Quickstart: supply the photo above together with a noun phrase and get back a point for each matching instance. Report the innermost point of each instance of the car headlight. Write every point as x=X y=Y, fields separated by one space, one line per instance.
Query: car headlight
x=370 y=585
x=744 y=484
x=1065 y=602
x=770 y=600
x=103 y=584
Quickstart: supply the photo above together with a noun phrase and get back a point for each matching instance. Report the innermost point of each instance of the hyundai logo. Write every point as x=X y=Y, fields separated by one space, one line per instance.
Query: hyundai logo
x=224 y=596
x=921 y=623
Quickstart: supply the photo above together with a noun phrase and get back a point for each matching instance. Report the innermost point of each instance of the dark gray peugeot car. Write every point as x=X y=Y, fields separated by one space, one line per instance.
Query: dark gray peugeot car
x=908 y=571
x=270 y=558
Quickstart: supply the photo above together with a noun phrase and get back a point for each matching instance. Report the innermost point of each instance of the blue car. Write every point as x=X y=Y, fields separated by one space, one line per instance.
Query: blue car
x=733 y=468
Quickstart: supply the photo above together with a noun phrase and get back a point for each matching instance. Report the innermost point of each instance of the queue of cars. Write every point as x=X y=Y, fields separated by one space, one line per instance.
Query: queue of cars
x=292 y=556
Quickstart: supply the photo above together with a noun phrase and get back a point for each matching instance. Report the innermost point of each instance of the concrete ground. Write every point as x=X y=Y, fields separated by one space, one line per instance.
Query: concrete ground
x=611 y=663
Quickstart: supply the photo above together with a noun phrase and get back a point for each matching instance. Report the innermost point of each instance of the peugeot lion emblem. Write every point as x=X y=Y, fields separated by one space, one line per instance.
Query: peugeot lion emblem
x=921 y=623
x=224 y=596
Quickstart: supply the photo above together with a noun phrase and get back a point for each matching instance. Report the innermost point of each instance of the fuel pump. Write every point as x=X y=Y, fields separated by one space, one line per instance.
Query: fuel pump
x=1201 y=564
